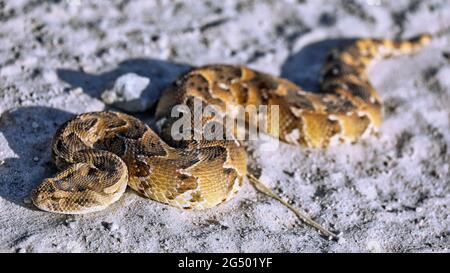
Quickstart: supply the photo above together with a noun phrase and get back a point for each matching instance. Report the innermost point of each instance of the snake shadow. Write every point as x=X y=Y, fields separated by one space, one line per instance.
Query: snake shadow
x=303 y=67
x=28 y=131
x=161 y=74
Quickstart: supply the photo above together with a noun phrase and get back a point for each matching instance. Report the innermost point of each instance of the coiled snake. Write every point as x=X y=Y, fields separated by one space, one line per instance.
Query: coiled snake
x=100 y=153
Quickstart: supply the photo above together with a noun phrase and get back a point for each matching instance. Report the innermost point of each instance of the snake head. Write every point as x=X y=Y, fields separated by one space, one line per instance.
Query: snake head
x=51 y=196
x=79 y=189
x=45 y=196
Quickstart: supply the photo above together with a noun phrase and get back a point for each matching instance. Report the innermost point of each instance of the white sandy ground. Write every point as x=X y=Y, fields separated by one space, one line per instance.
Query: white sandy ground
x=388 y=193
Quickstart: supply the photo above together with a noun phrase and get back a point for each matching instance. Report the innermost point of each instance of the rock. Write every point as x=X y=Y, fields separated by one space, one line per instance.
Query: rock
x=77 y=91
x=50 y=76
x=130 y=93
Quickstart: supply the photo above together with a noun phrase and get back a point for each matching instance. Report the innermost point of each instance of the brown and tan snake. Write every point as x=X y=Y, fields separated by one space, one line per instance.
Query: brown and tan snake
x=98 y=154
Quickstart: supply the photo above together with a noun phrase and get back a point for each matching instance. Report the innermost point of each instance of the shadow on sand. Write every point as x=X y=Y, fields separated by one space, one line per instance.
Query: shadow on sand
x=160 y=72
x=303 y=67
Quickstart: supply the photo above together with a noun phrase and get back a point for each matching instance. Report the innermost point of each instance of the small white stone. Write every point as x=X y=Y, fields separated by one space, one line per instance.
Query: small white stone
x=35 y=159
x=128 y=93
x=77 y=91
x=27 y=200
x=50 y=76
x=421 y=223
x=70 y=222
x=34 y=125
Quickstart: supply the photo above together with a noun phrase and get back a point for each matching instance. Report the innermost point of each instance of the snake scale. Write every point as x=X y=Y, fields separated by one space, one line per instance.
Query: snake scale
x=98 y=154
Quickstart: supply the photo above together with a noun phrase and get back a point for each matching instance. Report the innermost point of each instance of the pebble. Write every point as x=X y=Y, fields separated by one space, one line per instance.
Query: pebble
x=34 y=125
x=77 y=91
x=35 y=159
x=50 y=76
x=70 y=222
x=27 y=200
x=130 y=93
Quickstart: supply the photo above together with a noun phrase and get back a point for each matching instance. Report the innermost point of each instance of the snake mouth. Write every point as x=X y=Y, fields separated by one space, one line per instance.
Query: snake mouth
x=49 y=199
x=47 y=202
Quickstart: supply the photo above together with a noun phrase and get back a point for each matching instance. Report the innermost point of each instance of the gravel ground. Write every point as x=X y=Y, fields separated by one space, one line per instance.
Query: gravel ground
x=388 y=193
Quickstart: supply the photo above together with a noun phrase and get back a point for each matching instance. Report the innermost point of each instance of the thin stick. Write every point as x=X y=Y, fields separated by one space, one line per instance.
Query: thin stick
x=302 y=216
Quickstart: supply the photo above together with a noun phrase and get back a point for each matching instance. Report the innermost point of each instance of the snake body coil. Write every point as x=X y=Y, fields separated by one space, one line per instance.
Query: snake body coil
x=99 y=154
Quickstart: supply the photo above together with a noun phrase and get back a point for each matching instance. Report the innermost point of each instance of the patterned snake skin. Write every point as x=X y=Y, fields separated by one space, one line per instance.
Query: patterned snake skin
x=99 y=154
